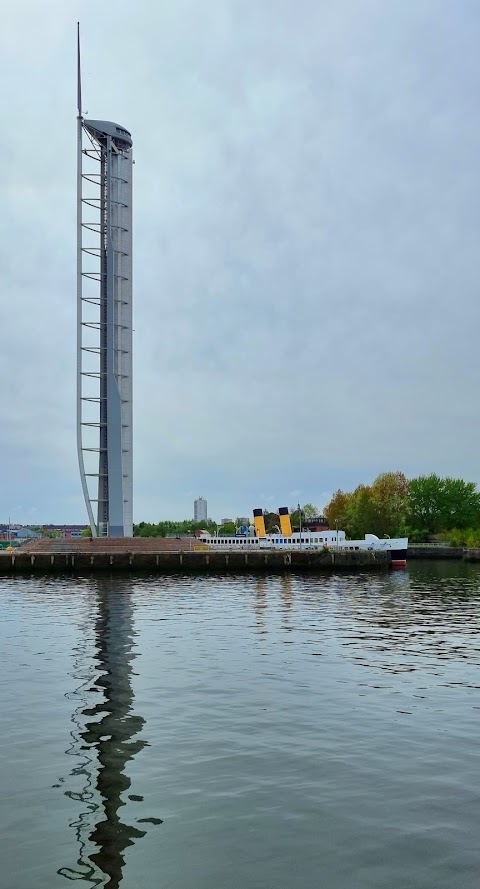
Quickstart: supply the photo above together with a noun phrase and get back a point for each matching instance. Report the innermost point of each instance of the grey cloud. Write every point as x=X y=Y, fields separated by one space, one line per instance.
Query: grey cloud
x=306 y=243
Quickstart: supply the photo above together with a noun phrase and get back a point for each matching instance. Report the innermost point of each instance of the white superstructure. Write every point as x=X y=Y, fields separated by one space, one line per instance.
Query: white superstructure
x=334 y=540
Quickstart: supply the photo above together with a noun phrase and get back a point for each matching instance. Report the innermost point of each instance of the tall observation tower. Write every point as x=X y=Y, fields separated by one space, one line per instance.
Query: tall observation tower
x=104 y=322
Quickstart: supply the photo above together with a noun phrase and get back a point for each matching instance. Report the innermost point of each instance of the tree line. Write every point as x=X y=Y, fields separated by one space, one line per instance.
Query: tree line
x=169 y=528
x=419 y=508
x=187 y=526
x=447 y=508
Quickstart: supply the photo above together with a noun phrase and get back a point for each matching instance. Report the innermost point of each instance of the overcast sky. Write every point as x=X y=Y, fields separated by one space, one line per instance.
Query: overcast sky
x=306 y=245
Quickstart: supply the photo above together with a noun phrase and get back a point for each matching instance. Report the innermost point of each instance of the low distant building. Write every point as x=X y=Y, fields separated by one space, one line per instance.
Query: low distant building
x=200 y=510
x=69 y=531
x=227 y=522
x=318 y=523
x=8 y=532
x=243 y=520
x=66 y=531
x=25 y=534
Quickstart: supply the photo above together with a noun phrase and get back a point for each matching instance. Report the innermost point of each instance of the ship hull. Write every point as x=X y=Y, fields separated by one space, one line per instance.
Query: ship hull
x=398 y=558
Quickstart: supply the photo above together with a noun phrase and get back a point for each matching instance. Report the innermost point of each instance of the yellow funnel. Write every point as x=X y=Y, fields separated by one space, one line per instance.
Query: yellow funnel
x=285 y=523
x=259 y=523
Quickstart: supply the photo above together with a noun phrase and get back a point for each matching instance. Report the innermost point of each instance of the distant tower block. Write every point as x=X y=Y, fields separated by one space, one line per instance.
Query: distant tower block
x=200 y=510
x=104 y=322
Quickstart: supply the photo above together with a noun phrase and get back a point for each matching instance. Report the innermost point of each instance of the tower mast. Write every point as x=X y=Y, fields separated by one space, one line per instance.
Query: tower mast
x=104 y=320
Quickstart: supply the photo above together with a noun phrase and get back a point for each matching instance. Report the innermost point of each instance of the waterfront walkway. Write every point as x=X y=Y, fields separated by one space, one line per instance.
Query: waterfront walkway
x=176 y=556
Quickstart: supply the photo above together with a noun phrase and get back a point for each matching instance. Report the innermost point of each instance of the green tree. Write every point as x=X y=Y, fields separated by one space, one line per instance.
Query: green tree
x=227 y=530
x=389 y=494
x=272 y=522
x=169 y=528
x=337 y=511
x=87 y=532
x=376 y=509
x=424 y=502
x=362 y=513
x=309 y=511
x=441 y=504
x=461 y=504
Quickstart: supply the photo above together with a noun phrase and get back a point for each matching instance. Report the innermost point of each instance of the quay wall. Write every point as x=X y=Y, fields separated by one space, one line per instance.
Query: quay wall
x=173 y=556
x=420 y=551
x=184 y=562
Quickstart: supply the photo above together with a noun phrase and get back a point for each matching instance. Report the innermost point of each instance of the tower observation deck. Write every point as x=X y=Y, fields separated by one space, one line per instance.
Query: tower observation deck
x=104 y=323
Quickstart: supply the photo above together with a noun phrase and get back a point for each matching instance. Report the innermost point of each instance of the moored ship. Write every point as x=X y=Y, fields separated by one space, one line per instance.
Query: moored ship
x=286 y=539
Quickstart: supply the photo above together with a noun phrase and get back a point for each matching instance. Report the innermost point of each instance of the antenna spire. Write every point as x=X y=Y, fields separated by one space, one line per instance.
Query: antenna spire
x=79 y=77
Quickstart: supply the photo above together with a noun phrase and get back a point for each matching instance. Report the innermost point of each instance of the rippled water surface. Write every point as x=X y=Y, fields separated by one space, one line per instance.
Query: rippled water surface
x=202 y=733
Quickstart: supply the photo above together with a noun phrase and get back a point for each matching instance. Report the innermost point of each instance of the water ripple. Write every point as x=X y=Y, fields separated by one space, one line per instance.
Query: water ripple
x=241 y=731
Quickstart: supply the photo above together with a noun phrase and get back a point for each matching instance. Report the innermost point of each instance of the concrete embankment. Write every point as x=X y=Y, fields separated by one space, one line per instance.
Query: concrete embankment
x=183 y=562
x=435 y=552
x=181 y=556
x=444 y=552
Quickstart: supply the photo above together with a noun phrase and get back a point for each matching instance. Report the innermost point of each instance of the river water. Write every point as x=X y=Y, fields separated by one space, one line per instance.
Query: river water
x=241 y=732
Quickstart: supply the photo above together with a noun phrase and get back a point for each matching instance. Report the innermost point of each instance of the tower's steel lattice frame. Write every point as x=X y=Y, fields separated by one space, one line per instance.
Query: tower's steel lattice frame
x=104 y=323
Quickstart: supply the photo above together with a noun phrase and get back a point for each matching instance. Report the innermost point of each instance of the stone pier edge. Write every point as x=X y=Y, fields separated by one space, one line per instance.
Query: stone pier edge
x=187 y=562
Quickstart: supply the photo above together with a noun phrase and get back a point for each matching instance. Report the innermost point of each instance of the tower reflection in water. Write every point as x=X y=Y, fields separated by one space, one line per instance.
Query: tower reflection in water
x=104 y=739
